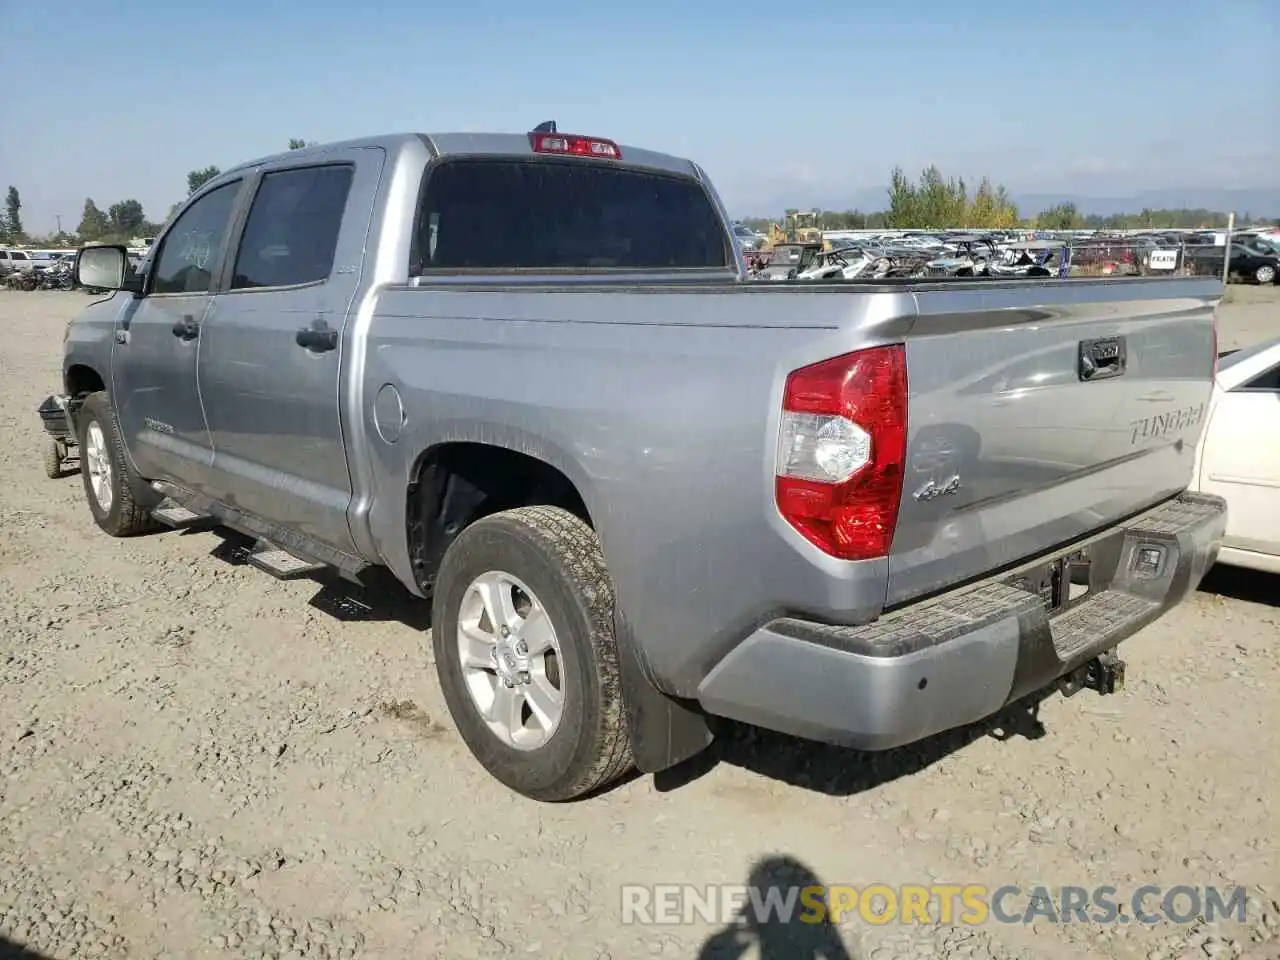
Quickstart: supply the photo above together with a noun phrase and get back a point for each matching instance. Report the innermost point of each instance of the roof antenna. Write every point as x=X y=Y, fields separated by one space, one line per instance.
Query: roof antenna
x=547 y=126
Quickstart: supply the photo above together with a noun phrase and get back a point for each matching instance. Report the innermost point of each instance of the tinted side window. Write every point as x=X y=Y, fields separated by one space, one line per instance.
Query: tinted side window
x=190 y=249
x=499 y=214
x=1270 y=380
x=292 y=230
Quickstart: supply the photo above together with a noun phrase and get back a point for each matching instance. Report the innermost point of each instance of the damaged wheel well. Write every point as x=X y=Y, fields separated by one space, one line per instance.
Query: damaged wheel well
x=455 y=484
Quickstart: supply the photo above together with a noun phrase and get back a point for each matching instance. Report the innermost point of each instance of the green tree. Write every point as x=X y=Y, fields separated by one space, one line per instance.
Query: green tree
x=931 y=203
x=903 y=200
x=845 y=220
x=127 y=218
x=1064 y=216
x=296 y=144
x=198 y=178
x=94 y=224
x=935 y=203
x=13 y=218
x=982 y=209
x=939 y=202
x=1006 y=216
x=1157 y=219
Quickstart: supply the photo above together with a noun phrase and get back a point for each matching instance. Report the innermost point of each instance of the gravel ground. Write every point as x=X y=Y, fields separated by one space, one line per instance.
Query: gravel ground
x=200 y=761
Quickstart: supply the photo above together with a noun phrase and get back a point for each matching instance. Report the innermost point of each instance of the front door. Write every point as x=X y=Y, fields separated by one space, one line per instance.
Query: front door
x=157 y=339
x=273 y=344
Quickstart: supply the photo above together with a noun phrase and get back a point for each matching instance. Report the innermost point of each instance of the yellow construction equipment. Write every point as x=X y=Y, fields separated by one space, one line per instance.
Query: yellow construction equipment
x=798 y=226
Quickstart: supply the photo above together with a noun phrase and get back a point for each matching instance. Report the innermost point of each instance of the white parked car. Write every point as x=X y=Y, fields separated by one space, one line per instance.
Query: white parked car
x=1239 y=454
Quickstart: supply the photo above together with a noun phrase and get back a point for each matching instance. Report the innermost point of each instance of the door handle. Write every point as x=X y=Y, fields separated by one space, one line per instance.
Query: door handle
x=318 y=338
x=186 y=328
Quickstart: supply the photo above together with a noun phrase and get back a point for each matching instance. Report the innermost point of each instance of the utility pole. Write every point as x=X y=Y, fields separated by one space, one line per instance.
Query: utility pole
x=58 y=217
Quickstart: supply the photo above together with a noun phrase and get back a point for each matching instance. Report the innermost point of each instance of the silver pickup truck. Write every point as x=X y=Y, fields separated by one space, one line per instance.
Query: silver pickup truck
x=526 y=374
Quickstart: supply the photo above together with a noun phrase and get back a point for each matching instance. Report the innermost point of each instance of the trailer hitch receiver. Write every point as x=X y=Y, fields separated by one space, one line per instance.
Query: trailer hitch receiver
x=1104 y=674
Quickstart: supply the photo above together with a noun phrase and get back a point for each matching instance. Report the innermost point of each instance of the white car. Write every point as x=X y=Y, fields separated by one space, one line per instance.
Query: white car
x=1239 y=454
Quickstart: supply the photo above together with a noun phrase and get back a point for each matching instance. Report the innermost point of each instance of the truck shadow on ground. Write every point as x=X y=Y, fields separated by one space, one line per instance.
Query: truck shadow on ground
x=1238 y=583
x=382 y=599
x=822 y=768
x=841 y=771
x=804 y=934
x=13 y=951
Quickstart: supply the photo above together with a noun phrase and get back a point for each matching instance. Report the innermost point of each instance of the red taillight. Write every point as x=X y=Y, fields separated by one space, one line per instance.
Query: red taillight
x=572 y=145
x=842 y=449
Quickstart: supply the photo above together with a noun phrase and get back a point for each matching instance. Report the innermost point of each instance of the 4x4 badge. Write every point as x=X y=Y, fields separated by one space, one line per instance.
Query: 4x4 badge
x=933 y=490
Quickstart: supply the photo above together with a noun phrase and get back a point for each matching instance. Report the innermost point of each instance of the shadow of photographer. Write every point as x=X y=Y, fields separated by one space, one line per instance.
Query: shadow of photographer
x=799 y=934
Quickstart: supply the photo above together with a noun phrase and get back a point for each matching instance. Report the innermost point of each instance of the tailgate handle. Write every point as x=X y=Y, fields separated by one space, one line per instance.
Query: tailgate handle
x=1103 y=358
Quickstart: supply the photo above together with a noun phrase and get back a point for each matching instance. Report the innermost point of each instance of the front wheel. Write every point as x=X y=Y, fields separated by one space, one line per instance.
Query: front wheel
x=53 y=454
x=1265 y=274
x=115 y=497
x=523 y=634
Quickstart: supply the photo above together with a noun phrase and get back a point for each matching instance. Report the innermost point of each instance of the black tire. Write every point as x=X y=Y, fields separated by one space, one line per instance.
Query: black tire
x=131 y=501
x=53 y=454
x=560 y=559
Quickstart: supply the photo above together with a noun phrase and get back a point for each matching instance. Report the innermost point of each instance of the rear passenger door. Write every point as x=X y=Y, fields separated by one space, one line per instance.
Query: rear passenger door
x=274 y=340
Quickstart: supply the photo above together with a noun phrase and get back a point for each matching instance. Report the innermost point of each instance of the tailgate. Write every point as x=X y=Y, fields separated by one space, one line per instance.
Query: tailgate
x=1040 y=414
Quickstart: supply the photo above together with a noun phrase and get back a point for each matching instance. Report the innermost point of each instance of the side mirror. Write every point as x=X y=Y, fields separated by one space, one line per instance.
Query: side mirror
x=106 y=268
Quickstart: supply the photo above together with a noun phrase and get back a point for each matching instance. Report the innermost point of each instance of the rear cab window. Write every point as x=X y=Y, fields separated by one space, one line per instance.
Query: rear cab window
x=509 y=213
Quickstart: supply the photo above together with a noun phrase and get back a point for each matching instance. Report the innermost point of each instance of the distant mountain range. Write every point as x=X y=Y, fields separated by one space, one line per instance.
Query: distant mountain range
x=1260 y=202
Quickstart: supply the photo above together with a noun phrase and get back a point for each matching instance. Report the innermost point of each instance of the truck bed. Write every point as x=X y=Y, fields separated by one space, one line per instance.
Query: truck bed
x=661 y=402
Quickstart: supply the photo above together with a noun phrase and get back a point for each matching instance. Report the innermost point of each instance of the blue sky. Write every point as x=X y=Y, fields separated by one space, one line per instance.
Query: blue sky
x=783 y=103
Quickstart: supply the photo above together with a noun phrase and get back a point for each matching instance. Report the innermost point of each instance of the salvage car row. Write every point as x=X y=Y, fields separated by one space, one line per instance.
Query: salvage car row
x=23 y=269
x=1255 y=256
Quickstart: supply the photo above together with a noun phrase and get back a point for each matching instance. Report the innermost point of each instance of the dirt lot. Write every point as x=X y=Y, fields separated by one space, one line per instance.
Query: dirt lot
x=200 y=761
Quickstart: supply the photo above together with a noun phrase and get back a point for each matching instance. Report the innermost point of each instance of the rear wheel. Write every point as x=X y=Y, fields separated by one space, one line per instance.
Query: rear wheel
x=523 y=634
x=117 y=498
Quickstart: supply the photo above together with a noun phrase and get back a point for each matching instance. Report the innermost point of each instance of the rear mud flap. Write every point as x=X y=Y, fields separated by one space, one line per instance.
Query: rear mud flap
x=664 y=732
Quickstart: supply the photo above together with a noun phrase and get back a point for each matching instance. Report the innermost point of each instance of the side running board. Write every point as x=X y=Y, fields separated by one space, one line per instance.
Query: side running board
x=178 y=517
x=280 y=563
x=281 y=552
